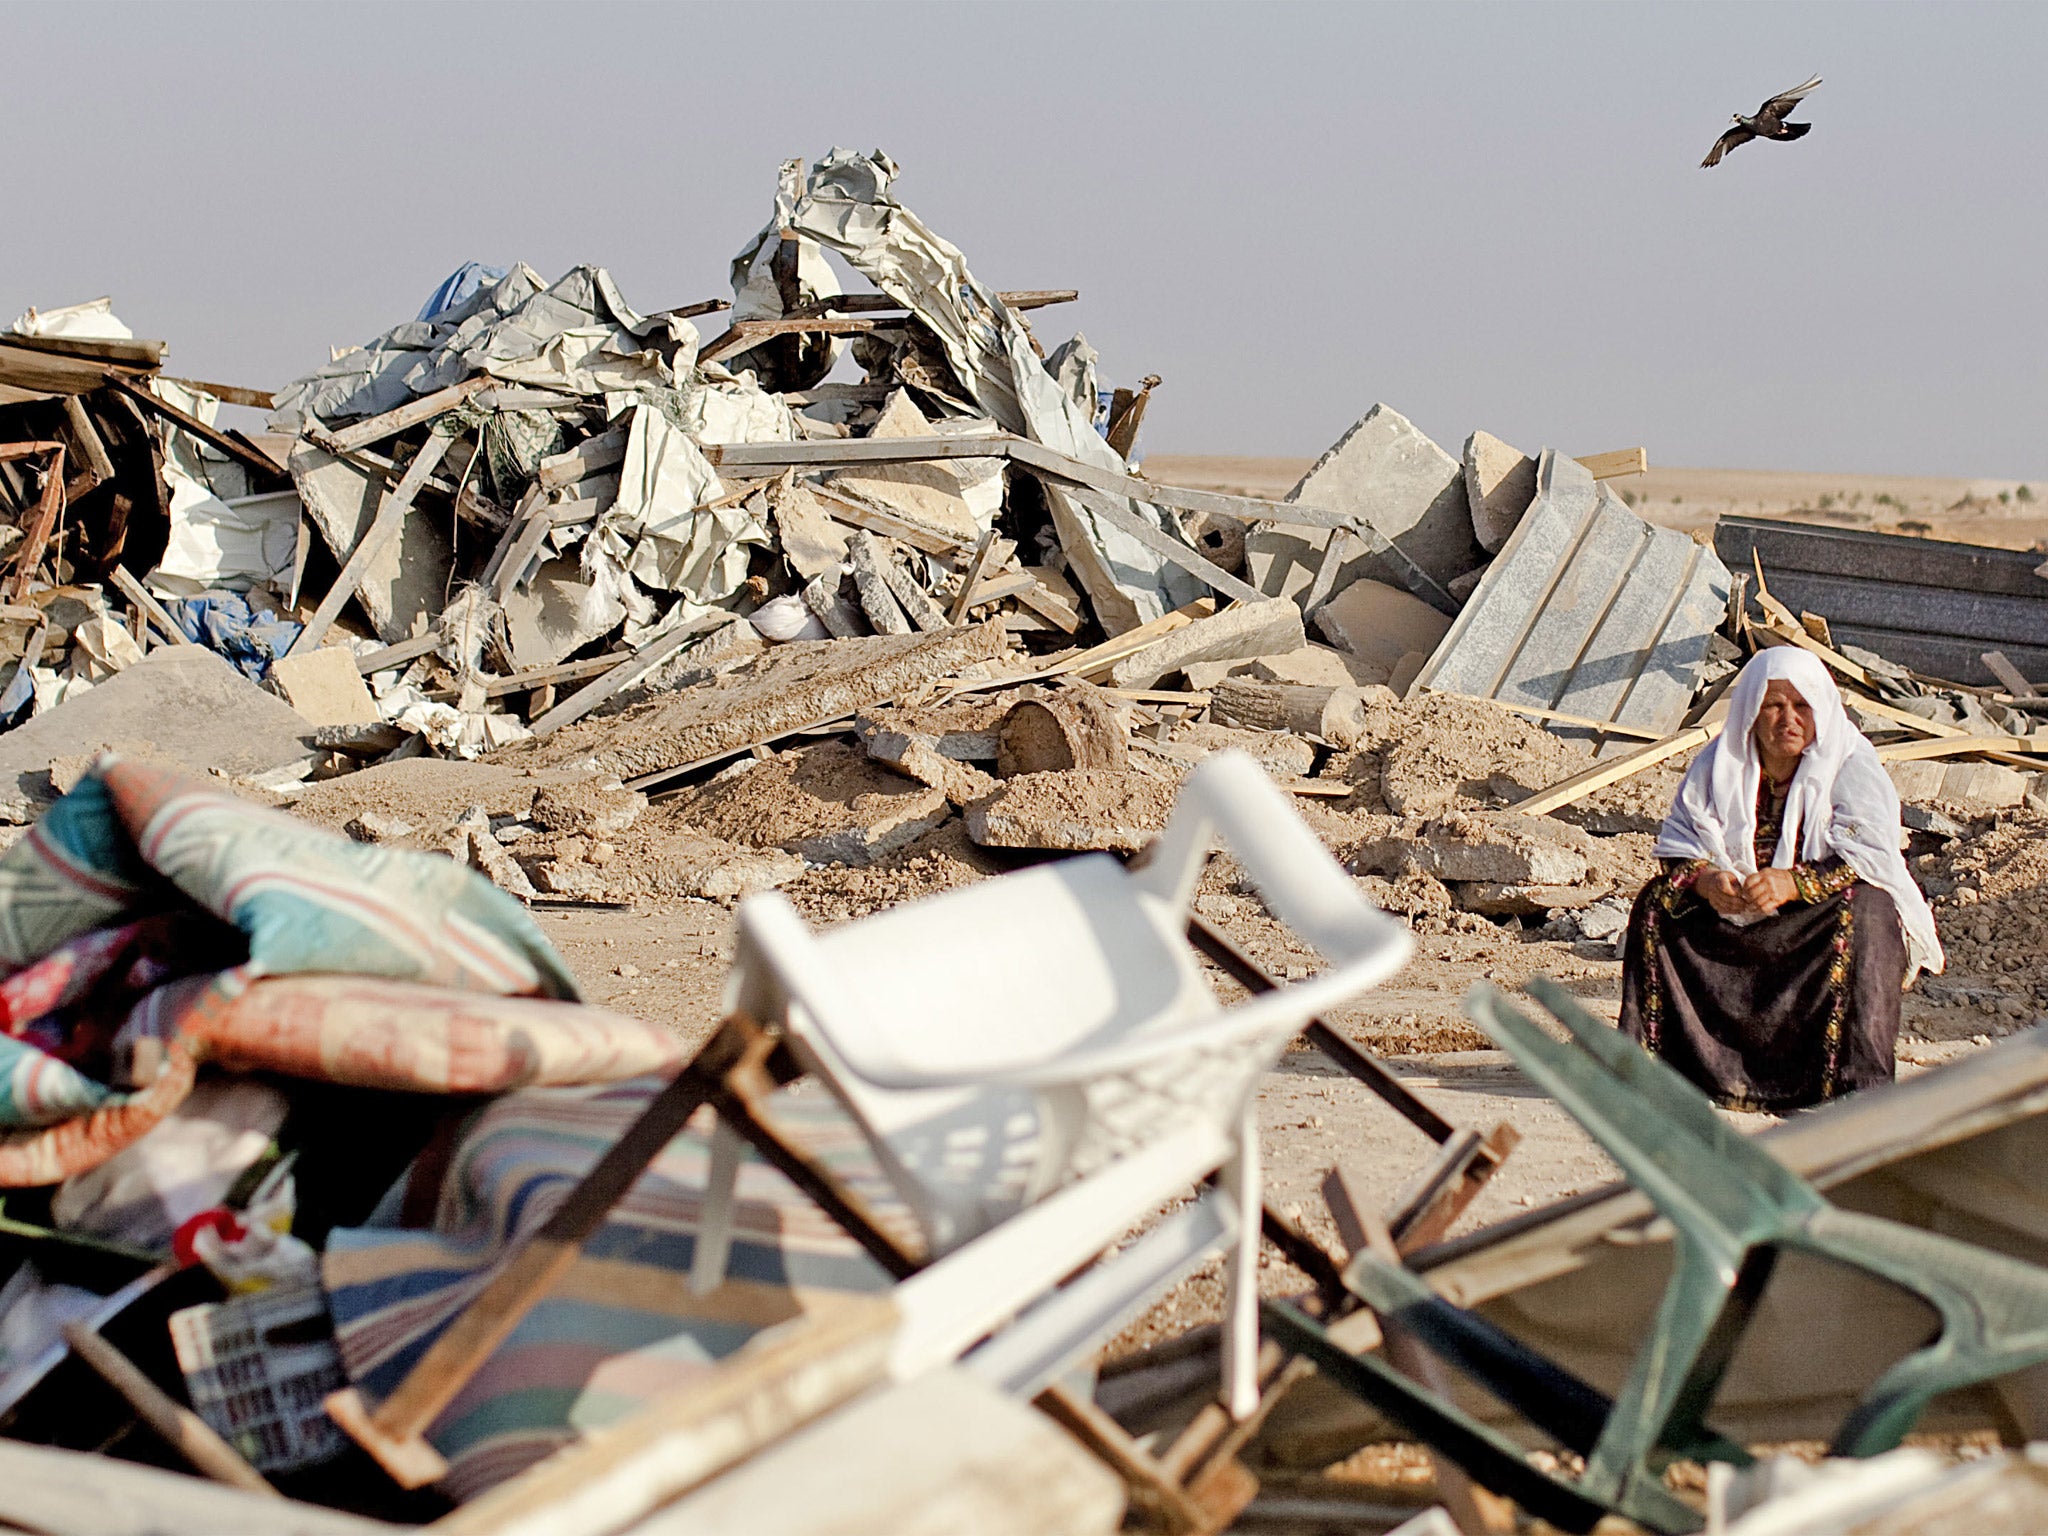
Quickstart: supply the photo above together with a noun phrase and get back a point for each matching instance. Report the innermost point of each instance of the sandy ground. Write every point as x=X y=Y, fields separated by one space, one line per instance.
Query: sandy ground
x=667 y=962
x=2007 y=513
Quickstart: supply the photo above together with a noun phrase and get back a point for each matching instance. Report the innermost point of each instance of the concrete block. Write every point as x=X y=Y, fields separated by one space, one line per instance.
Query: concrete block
x=885 y=823
x=1390 y=477
x=1315 y=665
x=917 y=756
x=1500 y=482
x=182 y=706
x=1490 y=900
x=2037 y=793
x=1917 y=781
x=324 y=686
x=1080 y=810
x=1245 y=630
x=1282 y=754
x=683 y=864
x=1379 y=625
x=955 y=497
x=410 y=576
x=590 y=809
x=1495 y=848
x=783 y=688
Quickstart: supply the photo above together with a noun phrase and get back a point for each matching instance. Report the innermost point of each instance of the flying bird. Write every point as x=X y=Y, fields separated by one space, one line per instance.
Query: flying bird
x=1769 y=123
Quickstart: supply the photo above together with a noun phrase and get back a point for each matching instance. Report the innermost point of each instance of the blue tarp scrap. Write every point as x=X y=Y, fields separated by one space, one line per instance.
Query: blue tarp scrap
x=460 y=284
x=224 y=623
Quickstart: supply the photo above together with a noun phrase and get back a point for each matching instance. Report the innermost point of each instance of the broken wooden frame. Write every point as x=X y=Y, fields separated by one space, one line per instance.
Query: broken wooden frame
x=735 y=1073
x=49 y=504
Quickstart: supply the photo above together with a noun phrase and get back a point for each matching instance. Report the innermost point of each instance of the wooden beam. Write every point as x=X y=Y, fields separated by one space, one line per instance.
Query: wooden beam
x=132 y=351
x=76 y=1493
x=89 y=442
x=37 y=535
x=854 y=452
x=240 y=452
x=397 y=655
x=889 y=524
x=1784 y=623
x=384 y=527
x=613 y=1477
x=2013 y=680
x=178 y=1426
x=1585 y=722
x=151 y=609
x=362 y=434
x=585 y=459
x=1600 y=775
x=229 y=394
x=1957 y=746
x=630 y=669
x=1619 y=461
x=971 y=577
x=1111 y=510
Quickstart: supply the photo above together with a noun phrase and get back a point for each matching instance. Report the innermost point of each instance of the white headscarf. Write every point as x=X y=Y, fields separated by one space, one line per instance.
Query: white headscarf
x=1841 y=801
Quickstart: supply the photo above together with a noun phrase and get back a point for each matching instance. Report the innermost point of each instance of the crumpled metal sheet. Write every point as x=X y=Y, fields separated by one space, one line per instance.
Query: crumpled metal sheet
x=577 y=335
x=847 y=207
x=655 y=530
x=1587 y=610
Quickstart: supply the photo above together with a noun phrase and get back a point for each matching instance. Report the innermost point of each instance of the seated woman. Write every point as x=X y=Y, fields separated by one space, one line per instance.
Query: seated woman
x=1766 y=962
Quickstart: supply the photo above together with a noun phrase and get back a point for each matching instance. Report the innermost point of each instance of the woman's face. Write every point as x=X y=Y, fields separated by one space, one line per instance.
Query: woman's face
x=1784 y=722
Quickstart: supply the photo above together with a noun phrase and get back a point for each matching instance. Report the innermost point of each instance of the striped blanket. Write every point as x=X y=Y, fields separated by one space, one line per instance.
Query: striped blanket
x=149 y=908
x=621 y=1326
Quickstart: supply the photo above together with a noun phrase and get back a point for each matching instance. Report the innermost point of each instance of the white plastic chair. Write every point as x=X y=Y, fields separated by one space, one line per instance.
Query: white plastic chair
x=1040 y=1064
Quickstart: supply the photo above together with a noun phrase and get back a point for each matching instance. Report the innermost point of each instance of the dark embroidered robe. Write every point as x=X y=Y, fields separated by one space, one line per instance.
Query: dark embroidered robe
x=1778 y=1014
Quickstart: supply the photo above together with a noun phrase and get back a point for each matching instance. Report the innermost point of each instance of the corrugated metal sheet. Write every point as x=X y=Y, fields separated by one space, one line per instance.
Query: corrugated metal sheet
x=1587 y=610
x=1932 y=606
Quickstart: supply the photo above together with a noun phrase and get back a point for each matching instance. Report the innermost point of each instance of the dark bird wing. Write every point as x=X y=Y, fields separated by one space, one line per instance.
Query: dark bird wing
x=1734 y=138
x=1781 y=106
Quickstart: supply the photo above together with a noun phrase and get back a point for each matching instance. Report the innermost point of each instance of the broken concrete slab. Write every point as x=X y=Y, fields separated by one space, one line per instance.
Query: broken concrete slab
x=1491 y=847
x=682 y=864
x=1489 y=900
x=965 y=729
x=556 y=611
x=409 y=576
x=1282 y=754
x=1390 y=478
x=1243 y=629
x=798 y=684
x=1587 y=610
x=591 y=808
x=958 y=498
x=867 y=558
x=325 y=686
x=1378 y=625
x=919 y=757
x=1312 y=665
x=1079 y=810
x=425 y=792
x=1500 y=482
x=1967 y=786
x=180 y=705
x=812 y=543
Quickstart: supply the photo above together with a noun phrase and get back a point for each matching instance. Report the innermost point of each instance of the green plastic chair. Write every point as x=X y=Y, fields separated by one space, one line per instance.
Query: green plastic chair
x=1733 y=1208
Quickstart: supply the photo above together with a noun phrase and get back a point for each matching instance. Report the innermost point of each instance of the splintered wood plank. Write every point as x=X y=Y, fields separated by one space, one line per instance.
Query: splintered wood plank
x=1580 y=785
x=1618 y=461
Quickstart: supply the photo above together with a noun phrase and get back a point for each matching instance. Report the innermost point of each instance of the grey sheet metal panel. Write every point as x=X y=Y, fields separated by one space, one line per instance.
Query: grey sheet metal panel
x=1926 y=604
x=1587 y=610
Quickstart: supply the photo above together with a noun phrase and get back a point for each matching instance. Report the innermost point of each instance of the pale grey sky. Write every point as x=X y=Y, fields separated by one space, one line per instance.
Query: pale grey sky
x=1487 y=215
